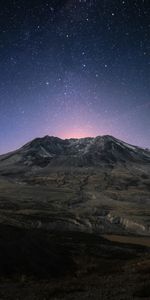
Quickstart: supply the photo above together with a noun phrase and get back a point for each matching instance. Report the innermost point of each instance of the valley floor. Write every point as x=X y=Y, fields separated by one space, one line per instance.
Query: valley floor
x=75 y=236
x=131 y=282
x=41 y=265
x=133 y=240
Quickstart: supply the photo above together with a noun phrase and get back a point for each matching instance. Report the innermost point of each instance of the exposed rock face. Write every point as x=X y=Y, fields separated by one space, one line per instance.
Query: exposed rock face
x=86 y=152
x=128 y=224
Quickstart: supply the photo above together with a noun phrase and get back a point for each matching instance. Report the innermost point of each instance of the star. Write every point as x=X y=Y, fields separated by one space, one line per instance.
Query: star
x=71 y=62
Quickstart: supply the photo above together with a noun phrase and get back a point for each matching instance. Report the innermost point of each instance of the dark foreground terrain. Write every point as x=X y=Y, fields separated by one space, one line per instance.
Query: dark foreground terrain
x=38 y=264
x=75 y=220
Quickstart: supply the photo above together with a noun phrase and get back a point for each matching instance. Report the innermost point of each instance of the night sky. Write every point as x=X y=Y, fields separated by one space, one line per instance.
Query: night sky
x=74 y=68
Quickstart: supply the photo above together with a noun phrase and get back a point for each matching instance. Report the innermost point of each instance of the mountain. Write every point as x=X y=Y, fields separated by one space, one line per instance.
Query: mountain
x=99 y=184
x=85 y=152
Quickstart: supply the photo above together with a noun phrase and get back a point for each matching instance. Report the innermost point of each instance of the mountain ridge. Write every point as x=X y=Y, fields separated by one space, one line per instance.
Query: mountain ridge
x=84 y=152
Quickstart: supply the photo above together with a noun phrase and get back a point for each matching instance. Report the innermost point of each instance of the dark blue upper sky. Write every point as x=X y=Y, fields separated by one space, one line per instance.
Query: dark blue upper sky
x=74 y=68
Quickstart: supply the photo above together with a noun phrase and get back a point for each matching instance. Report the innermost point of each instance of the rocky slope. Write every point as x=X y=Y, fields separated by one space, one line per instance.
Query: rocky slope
x=97 y=184
x=85 y=152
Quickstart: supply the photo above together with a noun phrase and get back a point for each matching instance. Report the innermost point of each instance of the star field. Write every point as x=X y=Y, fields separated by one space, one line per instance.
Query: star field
x=74 y=68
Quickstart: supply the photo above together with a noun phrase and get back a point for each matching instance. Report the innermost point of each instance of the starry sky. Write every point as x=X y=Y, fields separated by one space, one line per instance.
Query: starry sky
x=74 y=68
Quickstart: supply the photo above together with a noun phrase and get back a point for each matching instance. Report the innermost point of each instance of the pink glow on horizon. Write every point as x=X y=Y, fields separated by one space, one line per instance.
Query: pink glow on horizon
x=76 y=133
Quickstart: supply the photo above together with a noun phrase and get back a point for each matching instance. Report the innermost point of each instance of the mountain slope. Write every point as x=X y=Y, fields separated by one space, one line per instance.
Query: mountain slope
x=85 y=152
x=97 y=184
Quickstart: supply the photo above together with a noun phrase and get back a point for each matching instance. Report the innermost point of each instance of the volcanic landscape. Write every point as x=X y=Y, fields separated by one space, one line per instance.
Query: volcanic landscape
x=75 y=220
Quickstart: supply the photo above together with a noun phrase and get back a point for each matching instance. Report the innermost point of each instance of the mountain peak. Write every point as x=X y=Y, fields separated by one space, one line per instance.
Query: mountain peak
x=84 y=152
